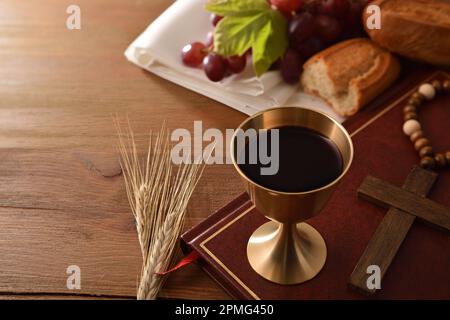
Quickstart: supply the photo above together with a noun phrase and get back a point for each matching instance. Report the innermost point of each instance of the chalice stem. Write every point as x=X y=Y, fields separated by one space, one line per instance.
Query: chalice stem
x=286 y=253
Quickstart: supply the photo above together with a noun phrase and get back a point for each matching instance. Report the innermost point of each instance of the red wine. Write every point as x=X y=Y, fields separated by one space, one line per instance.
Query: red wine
x=307 y=161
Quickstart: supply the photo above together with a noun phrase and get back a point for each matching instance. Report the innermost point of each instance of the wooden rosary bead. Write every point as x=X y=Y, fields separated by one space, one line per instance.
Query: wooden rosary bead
x=446 y=85
x=416 y=135
x=411 y=126
x=440 y=160
x=437 y=85
x=410 y=116
x=422 y=142
x=426 y=151
x=409 y=108
x=447 y=157
x=418 y=95
x=415 y=102
x=427 y=163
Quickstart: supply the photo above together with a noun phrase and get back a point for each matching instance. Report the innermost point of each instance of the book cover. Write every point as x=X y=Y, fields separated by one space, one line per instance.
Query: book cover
x=420 y=269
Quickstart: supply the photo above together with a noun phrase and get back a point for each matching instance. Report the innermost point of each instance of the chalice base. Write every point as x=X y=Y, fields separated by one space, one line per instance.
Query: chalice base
x=286 y=253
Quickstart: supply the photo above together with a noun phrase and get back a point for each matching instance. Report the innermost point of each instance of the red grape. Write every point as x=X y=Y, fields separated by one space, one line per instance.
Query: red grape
x=354 y=15
x=328 y=28
x=236 y=64
x=291 y=66
x=215 y=19
x=334 y=8
x=312 y=6
x=215 y=67
x=192 y=54
x=287 y=6
x=310 y=47
x=301 y=27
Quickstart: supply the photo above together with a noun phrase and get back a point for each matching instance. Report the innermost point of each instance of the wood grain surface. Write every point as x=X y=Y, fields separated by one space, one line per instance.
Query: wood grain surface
x=62 y=198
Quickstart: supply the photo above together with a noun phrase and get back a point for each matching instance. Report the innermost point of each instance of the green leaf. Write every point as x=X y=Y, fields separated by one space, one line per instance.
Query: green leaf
x=236 y=8
x=235 y=35
x=264 y=31
x=271 y=43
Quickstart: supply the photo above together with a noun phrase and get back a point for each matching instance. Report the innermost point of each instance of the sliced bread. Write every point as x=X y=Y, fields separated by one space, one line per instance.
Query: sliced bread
x=350 y=74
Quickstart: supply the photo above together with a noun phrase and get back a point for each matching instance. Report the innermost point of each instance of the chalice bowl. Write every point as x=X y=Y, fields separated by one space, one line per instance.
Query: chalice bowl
x=287 y=250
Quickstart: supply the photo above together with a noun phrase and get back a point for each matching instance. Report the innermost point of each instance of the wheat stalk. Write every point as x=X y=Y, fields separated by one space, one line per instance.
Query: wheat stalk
x=158 y=195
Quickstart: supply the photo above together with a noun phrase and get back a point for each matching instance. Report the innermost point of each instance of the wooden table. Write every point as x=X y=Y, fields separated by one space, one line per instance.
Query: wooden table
x=61 y=200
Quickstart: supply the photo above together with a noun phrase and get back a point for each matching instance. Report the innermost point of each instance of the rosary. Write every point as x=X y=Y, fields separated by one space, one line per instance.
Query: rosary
x=429 y=159
x=408 y=202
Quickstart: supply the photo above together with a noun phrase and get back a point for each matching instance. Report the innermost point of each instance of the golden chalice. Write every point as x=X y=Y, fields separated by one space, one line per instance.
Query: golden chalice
x=286 y=250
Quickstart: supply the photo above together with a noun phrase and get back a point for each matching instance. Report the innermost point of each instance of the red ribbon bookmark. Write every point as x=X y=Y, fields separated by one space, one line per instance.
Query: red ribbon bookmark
x=191 y=257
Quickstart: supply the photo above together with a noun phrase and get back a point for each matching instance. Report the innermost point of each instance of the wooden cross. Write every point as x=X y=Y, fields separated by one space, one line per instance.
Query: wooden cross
x=405 y=205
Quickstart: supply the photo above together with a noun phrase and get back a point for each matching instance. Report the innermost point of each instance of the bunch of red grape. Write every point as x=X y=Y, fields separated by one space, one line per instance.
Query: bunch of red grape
x=215 y=66
x=313 y=25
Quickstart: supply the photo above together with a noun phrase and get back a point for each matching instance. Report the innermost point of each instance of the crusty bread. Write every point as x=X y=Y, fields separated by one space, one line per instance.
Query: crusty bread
x=350 y=74
x=416 y=29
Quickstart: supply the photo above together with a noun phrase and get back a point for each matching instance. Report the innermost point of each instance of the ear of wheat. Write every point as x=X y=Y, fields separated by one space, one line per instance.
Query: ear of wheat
x=158 y=195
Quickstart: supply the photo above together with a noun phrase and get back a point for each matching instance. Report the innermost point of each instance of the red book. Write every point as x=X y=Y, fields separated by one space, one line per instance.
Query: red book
x=421 y=268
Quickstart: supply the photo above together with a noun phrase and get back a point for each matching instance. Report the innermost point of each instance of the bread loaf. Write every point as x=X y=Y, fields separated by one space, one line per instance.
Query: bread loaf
x=416 y=29
x=350 y=74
